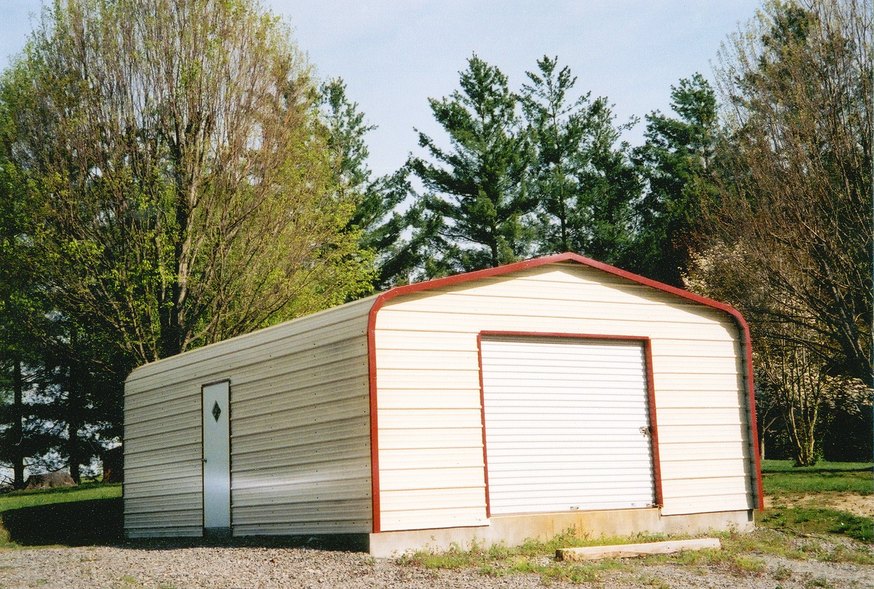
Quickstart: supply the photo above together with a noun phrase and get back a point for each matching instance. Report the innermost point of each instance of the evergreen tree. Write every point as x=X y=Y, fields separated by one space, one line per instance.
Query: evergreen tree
x=559 y=128
x=377 y=223
x=473 y=214
x=580 y=173
x=677 y=163
x=610 y=183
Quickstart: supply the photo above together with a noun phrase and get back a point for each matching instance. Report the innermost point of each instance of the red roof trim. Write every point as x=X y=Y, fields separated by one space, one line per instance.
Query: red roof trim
x=383 y=298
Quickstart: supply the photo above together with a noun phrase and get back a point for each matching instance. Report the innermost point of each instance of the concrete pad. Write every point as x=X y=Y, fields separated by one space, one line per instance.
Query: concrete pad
x=513 y=530
x=630 y=550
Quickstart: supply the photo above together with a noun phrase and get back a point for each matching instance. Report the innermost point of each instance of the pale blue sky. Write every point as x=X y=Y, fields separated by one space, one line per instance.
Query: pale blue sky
x=395 y=54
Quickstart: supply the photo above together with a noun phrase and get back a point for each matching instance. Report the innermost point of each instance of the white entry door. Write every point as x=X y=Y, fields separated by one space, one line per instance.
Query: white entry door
x=216 y=458
x=567 y=424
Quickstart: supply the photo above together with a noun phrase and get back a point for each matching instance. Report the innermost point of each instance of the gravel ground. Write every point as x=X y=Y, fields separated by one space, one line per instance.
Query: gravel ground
x=255 y=567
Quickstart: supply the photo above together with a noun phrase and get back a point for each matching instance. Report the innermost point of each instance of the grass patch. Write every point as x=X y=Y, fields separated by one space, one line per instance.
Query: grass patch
x=74 y=516
x=532 y=557
x=538 y=558
x=807 y=521
x=780 y=477
x=37 y=497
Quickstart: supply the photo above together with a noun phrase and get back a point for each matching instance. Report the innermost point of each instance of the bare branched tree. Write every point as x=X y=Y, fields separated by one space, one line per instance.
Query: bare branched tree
x=796 y=178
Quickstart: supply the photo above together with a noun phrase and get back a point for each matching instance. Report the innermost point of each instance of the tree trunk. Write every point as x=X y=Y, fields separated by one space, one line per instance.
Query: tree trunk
x=75 y=389
x=17 y=426
x=74 y=424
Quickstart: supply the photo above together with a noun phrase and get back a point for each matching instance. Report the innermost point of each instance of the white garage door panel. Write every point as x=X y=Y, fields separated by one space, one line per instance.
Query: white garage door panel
x=564 y=421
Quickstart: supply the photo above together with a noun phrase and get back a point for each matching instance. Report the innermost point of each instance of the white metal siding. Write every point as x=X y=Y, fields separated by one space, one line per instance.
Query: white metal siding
x=429 y=403
x=300 y=437
x=163 y=488
x=566 y=422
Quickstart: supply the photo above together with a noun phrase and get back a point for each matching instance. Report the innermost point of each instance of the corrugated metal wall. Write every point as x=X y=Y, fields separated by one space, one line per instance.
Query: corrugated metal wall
x=430 y=438
x=300 y=431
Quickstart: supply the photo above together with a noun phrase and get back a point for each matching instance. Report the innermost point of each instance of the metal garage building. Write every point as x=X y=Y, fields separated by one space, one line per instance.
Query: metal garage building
x=498 y=405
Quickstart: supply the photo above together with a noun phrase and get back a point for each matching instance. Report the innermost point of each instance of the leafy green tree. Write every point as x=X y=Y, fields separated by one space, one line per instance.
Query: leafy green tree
x=580 y=176
x=185 y=174
x=20 y=312
x=677 y=162
x=473 y=213
x=55 y=403
x=179 y=190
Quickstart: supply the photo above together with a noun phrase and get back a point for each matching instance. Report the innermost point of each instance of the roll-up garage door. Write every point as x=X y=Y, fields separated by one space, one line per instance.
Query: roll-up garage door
x=567 y=424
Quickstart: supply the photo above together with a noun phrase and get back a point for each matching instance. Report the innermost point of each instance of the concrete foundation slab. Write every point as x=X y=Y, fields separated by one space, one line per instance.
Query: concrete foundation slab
x=512 y=530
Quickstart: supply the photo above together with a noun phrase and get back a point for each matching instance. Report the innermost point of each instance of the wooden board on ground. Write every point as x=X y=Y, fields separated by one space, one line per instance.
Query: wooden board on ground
x=630 y=550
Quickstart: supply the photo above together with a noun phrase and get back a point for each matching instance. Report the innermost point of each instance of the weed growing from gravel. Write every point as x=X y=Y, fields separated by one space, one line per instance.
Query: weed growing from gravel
x=653 y=582
x=782 y=573
x=728 y=559
x=778 y=543
x=532 y=557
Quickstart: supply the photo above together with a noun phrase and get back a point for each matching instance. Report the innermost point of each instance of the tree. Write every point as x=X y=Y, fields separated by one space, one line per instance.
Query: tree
x=476 y=201
x=559 y=127
x=20 y=311
x=796 y=177
x=677 y=164
x=374 y=219
x=183 y=169
x=582 y=180
x=178 y=188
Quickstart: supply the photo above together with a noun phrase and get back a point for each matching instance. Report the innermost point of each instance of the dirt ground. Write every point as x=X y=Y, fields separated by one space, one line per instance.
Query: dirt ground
x=852 y=502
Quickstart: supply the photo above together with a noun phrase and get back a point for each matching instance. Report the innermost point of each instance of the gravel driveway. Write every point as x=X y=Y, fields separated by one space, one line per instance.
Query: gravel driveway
x=253 y=567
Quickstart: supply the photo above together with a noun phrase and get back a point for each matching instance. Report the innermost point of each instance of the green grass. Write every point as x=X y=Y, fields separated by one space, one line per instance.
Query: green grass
x=813 y=489
x=780 y=477
x=87 y=514
x=807 y=521
x=34 y=498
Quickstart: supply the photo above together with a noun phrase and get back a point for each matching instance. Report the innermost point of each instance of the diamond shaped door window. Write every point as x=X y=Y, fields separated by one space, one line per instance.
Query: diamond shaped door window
x=216 y=411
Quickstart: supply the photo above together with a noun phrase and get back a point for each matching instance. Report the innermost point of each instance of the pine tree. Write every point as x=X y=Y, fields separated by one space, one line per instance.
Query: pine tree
x=580 y=172
x=677 y=163
x=375 y=219
x=473 y=214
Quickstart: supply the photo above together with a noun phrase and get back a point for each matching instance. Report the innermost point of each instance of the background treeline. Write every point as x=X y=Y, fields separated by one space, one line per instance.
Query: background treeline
x=172 y=175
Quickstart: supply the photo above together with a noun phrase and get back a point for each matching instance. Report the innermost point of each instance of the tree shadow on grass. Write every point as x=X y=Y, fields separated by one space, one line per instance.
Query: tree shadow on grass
x=77 y=523
x=99 y=522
